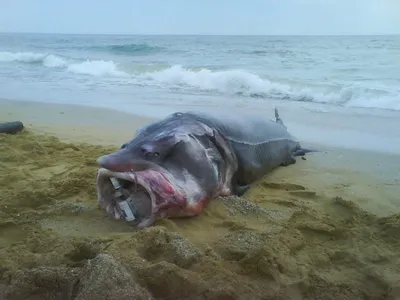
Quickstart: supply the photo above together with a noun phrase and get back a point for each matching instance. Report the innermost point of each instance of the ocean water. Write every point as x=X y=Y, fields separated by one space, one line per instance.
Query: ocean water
x=154 y=75
x=350 y=71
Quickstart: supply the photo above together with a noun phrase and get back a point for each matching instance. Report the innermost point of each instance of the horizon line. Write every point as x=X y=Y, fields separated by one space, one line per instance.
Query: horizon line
x=200 y=34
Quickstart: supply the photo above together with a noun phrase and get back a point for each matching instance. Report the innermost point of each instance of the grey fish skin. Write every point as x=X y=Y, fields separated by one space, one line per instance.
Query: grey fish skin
x=188 y=158
x=260 y=145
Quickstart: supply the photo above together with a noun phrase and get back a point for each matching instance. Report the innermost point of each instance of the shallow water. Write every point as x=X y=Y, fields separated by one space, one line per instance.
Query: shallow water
x=355 y=71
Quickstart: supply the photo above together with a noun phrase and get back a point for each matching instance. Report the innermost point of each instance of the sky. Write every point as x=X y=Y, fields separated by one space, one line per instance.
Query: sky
x=238 y=17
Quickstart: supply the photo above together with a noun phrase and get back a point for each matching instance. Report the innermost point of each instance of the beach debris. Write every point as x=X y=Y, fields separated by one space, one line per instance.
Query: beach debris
x=11 y=127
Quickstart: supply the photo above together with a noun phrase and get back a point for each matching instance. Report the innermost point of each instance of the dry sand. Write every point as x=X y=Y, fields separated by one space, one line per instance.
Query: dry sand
x=327 y=227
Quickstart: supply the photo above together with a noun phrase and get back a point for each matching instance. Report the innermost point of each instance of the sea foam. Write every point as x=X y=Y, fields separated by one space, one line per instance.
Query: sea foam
x=231 y=82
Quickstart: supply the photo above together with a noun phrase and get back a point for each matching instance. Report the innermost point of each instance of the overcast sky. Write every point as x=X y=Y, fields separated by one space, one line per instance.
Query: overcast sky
x=202 y=16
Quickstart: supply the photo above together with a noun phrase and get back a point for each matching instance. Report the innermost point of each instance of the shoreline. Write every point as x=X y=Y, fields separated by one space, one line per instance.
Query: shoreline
x=338 y=128
x=64 y=119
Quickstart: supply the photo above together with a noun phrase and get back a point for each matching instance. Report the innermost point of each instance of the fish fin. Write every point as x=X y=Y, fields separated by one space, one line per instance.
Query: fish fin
x=303 y=151
x=278 y=119
x=239 y=190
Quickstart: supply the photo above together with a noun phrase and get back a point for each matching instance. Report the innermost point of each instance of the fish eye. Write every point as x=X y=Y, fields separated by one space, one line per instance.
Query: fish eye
x=150 y=154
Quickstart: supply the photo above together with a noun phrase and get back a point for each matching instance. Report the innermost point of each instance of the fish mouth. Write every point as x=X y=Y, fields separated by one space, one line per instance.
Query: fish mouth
x=136 y=198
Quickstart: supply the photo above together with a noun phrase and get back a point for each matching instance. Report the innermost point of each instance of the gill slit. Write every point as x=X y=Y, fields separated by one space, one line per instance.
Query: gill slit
x=135 y=179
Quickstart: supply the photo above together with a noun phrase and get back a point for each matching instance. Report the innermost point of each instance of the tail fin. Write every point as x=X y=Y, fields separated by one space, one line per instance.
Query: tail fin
x=278 y=119
x=303 y=151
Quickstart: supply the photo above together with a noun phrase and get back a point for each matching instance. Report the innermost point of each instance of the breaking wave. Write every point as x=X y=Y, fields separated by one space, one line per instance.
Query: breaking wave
x=133 y=49
x=88 y=67
x=243 y=83
x=48 y=60
x=230 y=82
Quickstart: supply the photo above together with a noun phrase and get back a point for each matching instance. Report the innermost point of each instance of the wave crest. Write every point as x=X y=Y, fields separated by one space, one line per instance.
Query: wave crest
x=229 y=82
x=96 y=68
x=133 y=49
x=243 y=83
x=88 y=67
x=47 y=60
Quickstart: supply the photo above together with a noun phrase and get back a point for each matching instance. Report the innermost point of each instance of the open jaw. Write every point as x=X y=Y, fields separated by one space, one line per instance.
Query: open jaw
x=140 y=195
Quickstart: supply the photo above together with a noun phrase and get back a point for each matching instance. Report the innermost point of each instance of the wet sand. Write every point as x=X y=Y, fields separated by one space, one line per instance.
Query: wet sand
x=327 y=227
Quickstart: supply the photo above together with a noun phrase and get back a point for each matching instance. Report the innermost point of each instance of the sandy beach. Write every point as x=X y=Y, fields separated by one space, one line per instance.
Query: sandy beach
x=327 y=227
